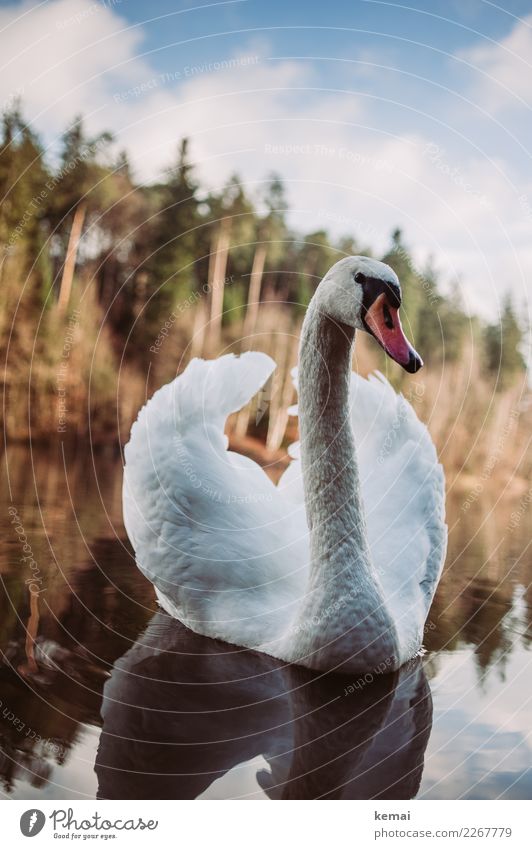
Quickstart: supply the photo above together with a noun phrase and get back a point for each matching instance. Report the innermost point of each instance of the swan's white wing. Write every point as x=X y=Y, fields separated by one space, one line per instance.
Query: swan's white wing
x=403 y=490
x=209 y=529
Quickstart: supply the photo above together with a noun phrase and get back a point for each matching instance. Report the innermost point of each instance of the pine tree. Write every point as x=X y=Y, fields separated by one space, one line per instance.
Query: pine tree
x=171 y=267
x=78 y=192
x=24 y=196
x=502 y=342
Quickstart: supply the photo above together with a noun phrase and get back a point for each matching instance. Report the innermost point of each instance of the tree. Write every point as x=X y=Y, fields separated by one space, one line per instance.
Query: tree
x=173 y=238
x=315 y=257
x=502 y=342
x=77 y=192
x=271 y=238
x=124 y=244
x=24 y=197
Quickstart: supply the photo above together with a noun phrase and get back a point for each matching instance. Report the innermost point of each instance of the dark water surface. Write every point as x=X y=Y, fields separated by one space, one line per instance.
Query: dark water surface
x=102 y=695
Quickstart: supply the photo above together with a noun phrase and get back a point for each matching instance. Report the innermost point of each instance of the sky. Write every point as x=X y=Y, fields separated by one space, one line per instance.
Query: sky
x=376 y=114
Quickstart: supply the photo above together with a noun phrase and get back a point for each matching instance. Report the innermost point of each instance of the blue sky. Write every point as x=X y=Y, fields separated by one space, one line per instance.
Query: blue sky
x=376 y=114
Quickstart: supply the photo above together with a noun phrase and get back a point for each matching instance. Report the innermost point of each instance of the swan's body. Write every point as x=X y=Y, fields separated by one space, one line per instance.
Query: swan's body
x=231 y=555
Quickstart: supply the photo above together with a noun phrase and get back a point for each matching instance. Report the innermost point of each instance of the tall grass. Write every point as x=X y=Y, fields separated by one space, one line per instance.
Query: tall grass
x=67 y=371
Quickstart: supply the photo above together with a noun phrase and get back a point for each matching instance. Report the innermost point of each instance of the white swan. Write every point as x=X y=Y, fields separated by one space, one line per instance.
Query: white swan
x=348 y=586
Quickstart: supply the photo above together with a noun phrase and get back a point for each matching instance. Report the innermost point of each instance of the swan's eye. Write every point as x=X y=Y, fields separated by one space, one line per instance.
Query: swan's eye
x=359 y=277
x=388 y=320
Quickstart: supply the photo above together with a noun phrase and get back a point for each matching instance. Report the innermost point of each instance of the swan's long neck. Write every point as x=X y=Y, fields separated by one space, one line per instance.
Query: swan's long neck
x=343 y=621
x=330 y=469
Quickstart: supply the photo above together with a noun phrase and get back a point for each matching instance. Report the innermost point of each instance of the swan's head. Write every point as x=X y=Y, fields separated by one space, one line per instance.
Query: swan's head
x=366 y=294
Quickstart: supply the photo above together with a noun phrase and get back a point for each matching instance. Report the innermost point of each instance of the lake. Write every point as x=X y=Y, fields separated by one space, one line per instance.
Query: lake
x=103 y=695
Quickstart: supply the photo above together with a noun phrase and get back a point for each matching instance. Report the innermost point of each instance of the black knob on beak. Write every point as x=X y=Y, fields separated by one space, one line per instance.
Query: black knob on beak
x=414 y=363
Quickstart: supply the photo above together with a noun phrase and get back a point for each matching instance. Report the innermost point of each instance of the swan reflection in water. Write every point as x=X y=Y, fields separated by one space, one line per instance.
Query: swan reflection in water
x=181 y=710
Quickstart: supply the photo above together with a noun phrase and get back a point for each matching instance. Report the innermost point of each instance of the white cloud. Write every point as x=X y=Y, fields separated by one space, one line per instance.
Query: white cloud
x=63 y=56
x=505 y=69
x=254 y=115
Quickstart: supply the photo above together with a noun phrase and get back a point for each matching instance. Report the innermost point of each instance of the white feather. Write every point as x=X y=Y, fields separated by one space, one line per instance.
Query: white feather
x=227 y=551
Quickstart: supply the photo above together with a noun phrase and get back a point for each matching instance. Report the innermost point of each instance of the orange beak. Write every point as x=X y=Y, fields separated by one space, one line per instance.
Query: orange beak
x=384 y=324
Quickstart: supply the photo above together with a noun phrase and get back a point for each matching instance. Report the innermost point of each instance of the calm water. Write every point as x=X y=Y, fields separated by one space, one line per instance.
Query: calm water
x=102 y=695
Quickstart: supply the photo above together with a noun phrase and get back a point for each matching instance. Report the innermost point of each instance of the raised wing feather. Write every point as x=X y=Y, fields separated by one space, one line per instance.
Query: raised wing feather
x=209 y=529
